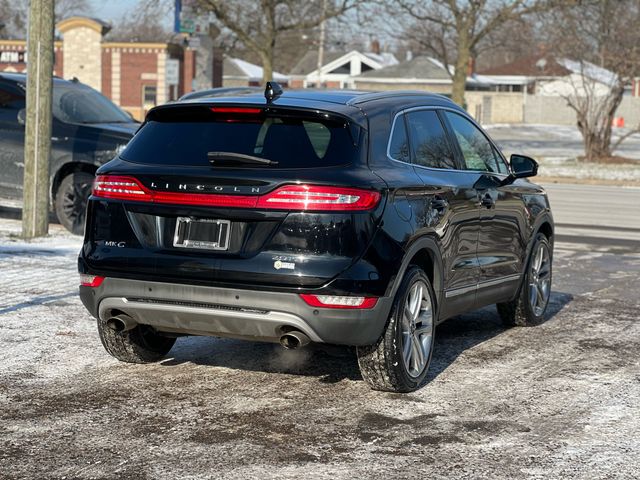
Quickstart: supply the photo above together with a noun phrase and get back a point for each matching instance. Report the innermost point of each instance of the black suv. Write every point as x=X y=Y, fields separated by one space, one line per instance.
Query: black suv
x=341 y=217
x=87 y=131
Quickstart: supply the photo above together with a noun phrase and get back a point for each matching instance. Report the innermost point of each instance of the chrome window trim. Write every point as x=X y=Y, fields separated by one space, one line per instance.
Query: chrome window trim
x=453 y=110
x=393 y=129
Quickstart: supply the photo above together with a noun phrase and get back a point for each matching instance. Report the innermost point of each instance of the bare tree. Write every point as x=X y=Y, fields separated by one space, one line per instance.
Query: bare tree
x=513 y=40
x=452 y=30
x=260 y=25
x=13 y=14
x=140 y=23
x=603 y=37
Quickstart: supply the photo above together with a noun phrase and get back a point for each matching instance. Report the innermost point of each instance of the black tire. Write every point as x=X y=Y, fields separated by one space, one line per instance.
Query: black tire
x=71 y=201
x=141 y=344
x=520 y=312
x=383 y=365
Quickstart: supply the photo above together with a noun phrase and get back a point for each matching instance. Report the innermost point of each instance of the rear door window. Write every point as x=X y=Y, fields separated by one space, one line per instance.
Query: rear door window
x=477 y=151
x=292 y=141
x=429 y=144
x=399 y=142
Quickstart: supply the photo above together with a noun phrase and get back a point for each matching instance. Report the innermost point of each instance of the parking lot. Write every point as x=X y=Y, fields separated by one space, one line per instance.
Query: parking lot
x=555 y=401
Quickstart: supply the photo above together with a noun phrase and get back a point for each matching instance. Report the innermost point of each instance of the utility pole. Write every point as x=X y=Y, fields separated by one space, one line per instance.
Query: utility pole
x=322 y=41
x=37 y=140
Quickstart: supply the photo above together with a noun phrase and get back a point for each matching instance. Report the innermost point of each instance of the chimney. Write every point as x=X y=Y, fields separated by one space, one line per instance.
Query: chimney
x=409 y=56
x=375 y=47
x=471 y=66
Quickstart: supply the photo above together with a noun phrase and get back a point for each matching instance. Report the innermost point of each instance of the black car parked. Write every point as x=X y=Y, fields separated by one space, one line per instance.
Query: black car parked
x=351 y=218
x=88 y=130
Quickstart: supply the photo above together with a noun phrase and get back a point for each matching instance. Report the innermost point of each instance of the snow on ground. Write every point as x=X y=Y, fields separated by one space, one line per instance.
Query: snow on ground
x=559 y=400
x=556 y=148
x=38 y=271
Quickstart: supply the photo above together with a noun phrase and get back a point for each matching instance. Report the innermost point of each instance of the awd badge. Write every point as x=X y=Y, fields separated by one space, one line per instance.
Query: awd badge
x=278 y=264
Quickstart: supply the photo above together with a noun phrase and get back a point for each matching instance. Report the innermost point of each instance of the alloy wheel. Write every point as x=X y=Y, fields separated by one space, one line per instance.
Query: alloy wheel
x=417 y=329
x=540 y=279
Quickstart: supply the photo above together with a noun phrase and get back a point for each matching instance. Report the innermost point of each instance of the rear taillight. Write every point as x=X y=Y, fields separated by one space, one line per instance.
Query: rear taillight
x=315 y=197
x=289 y=197
x=334 y=301
x=115 y=186
x=90 y=280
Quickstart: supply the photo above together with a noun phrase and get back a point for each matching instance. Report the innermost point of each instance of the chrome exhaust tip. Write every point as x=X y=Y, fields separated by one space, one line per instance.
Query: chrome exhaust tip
x=121 y=323
x=294 y=340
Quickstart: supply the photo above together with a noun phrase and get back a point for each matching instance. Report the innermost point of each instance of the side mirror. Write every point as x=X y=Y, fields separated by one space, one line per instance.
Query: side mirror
x=22 y=116
x=522 y=166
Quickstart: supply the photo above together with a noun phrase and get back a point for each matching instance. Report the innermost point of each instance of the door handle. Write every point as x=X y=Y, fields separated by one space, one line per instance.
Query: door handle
x=439 y=204
x=487 y=201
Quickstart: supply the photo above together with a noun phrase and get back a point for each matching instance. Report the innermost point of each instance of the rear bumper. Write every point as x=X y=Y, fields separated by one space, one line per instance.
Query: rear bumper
x=230 y=312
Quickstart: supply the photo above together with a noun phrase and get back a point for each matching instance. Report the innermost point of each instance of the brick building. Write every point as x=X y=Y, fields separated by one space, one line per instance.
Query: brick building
x=135 y=76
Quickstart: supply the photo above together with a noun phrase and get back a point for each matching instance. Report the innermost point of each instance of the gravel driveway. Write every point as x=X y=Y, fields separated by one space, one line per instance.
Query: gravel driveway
x=556 y=401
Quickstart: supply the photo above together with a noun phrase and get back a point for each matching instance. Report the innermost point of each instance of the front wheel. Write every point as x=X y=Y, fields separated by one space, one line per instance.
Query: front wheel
x=71 y=201
x=400 y=360
x=529 y=307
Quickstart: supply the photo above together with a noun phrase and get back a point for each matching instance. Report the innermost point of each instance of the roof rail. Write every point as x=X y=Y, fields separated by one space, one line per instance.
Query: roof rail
x=368 y=97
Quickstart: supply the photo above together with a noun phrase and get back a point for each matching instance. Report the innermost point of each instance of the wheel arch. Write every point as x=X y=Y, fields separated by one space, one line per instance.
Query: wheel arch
x=544 y=224
x=424 y=253
x=66 y=169
x=546 y=229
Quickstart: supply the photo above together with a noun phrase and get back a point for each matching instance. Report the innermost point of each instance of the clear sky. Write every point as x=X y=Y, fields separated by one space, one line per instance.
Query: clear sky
x=113 y=10
x=110 y=10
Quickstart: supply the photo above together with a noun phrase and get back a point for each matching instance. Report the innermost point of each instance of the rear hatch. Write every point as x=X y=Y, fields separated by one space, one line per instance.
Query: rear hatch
x=235 y=194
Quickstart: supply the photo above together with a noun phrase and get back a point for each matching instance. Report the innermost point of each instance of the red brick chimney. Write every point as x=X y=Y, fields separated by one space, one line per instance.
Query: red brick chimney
x=471 y=66
x=375 y=47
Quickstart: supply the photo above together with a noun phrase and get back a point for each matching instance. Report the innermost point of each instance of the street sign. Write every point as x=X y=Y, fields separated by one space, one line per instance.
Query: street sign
x=172 y=74
x=13 y=57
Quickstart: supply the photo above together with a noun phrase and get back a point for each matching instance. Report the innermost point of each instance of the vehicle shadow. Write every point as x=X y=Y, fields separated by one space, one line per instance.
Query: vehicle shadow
x=464 y=332
x=15 y=213
x=331 y=364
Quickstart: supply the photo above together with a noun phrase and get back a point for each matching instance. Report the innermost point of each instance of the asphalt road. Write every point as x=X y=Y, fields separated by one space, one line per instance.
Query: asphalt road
x=559 y=400
x=605 y=216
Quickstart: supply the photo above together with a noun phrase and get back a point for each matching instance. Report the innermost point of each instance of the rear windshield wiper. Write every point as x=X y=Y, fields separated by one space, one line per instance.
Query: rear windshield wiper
x=227 y=159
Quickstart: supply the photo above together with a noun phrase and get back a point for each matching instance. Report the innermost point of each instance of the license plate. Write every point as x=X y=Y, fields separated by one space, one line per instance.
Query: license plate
x=202 y=233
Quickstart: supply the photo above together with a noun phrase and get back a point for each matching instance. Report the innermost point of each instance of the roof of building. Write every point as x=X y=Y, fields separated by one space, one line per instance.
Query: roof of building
x=96 y=24
x=545 y=65
x=589 y=70
x=309 y=61
x=539 y=65
x=235 y=67
x=421 y=67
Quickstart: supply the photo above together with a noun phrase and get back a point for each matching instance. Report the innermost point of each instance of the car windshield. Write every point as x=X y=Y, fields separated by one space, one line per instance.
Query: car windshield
x=80 y=104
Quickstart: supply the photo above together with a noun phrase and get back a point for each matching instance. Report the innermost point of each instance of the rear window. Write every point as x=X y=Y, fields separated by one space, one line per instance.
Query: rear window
x=292 y=141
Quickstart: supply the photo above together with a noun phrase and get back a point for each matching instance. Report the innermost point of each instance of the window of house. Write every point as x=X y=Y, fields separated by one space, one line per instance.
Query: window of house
x=149 y=95
x=345 y=68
